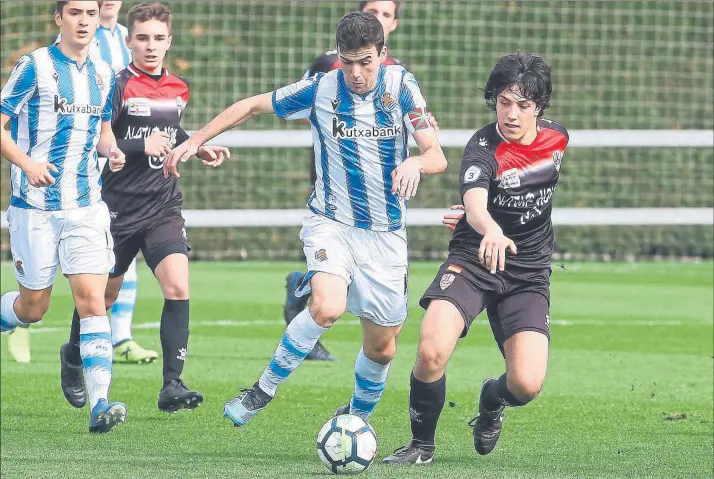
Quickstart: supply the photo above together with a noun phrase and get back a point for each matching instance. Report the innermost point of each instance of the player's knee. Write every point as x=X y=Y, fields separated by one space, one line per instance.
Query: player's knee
x=325 y=312
x=31 y=309
x=175 y=291
x=524 y=388
x=90 y=303
x=430 y=359
x=381 y=353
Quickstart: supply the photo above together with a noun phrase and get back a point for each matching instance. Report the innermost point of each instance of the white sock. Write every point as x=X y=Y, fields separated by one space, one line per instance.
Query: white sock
x=95 y=347
x=299 y=338
x=7 y=310
x=370 y=378
x=123 y=309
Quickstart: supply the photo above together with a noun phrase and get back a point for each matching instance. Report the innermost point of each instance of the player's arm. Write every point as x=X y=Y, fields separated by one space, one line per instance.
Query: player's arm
x=107 y=145
x=20 y=87
x=211 y=155
x=431 y=159
x=291 y=102
x=38 y=174
x=234 y=115
x=477 y=170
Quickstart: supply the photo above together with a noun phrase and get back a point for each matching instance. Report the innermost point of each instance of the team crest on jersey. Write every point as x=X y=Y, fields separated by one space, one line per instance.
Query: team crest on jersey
x=321 y=255
x=388 y=102
x=510 y=179
x=446 y=281
x=100 y=81
x=558 y=158
x=18 y=267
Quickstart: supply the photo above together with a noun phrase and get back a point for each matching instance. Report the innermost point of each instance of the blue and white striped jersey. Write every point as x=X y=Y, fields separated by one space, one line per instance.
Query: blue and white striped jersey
x=359 y=140
x=110 y=46
x=57 y=108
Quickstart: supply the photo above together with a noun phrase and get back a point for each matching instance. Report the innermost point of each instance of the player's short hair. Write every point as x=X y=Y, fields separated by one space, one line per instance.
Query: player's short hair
x=59 y=6
x=397 y=4
x=357 y=30
x=144 y=12
x=529 y=72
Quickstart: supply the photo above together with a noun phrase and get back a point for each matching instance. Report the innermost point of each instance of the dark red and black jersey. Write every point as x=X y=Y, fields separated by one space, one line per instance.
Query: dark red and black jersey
x=142 y=105
x=521 y=181
x=329 y=61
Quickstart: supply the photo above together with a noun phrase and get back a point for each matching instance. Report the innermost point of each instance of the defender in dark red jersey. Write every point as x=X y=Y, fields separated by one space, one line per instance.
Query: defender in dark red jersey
x=145 y=207
x=499 y=258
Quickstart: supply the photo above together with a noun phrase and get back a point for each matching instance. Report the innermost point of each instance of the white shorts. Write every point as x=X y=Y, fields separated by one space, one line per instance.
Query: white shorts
x=373 y=263
x=78 y=239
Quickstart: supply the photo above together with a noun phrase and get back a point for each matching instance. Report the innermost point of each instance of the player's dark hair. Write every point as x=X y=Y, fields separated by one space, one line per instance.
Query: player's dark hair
x=357 y=30
x=144 y=12
x=59 y=6
x=397 y=4
x=527 y=72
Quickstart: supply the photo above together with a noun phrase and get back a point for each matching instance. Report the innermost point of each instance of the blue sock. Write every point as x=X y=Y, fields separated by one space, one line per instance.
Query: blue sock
x=8 y=318
x=370 y=378
x=95 y=346
x=123 y=308
x=298 y=340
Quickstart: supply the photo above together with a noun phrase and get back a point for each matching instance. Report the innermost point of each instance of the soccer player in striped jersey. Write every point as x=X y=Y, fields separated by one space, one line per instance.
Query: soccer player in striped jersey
x=354 y=237
x=109 y=45
x=387 y=12
x=58 y=103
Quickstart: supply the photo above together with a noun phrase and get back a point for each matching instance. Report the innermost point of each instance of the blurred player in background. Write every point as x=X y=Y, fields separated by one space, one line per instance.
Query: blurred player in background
x=146 y=207
x=354 y=238
x=59 y=102
x=499 y=259
x=109 y=45
x=387 y=12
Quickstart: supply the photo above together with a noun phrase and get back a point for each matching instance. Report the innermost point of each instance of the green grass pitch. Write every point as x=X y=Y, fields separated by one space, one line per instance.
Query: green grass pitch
x=629 y=390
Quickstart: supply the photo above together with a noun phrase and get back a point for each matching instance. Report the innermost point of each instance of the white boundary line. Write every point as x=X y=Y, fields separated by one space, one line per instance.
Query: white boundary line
x=354 y=322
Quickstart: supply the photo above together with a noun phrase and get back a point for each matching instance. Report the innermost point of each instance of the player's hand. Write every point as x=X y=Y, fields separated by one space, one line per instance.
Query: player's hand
x=434 y=123
x=452 y=219
x=213 y=155
x=492 y=251
x=406 y=177
x=38 y=174
x=116 y=158
x=179 y=154
x=158 y=144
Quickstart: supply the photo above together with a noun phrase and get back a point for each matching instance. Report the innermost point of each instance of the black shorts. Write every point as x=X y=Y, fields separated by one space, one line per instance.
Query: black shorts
x=156 y=240
x=515 y=300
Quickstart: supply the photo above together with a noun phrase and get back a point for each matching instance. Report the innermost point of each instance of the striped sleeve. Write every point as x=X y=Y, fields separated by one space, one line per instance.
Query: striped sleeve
x=413 y=104
x=109 y=104
x=295 y=101
x=19 y=87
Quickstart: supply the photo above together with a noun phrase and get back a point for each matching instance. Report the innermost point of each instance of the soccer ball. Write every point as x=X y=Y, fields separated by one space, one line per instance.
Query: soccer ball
x=346 y=444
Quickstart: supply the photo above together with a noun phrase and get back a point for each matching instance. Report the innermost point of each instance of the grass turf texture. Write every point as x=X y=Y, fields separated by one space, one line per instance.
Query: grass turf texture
x=631 y=355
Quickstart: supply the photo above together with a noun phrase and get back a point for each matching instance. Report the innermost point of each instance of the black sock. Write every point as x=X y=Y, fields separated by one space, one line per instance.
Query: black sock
x=498 y=395
x=426 y=400
x=74 y=339
x=174 y=337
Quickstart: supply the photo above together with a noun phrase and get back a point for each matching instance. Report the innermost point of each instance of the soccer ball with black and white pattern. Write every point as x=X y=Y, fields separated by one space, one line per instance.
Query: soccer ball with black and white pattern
x=346 y=444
